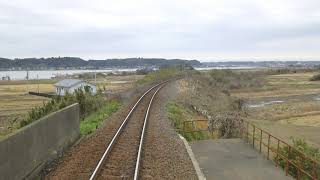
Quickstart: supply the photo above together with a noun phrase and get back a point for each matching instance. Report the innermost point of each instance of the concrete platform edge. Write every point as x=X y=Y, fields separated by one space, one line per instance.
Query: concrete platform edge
x=193 y=159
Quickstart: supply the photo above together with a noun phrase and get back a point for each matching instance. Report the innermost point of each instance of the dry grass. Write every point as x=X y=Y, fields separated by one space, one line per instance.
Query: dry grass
x=15 y=101
x=282 y=85
x=15 y=97
x=117 y=83
x=285 y=110
x=299 y=114
x=306 y=120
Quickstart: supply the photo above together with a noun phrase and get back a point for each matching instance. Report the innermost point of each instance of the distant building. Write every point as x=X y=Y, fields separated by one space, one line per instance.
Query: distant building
x=70 y=85
x=6 y=78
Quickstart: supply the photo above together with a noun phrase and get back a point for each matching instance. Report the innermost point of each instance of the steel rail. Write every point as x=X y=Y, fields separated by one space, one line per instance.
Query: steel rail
x=136 y=172
x=115 y=137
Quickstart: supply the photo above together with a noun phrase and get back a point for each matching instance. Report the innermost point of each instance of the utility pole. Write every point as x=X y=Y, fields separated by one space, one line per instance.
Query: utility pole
x=38 y=83
x=27 y=77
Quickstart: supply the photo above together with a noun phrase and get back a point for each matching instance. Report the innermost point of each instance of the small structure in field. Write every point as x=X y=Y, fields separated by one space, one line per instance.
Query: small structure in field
x=70 y=85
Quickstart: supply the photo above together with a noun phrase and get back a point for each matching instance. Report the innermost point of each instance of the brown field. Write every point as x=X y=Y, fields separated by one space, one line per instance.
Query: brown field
x=15 y=102
x=297 y=112
x=282 y=85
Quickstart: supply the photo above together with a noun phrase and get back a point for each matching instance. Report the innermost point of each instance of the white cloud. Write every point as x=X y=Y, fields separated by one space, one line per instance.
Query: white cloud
x=203 y=29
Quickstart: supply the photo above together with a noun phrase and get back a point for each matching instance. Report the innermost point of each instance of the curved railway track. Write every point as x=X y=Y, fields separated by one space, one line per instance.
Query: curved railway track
x=121 y=159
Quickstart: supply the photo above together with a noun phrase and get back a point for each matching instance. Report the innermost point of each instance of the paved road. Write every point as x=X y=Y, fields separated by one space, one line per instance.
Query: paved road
x=230 y=159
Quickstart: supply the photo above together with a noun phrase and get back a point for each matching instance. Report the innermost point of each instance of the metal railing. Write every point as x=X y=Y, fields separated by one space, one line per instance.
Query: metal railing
x=294 y=162
x=193 y=124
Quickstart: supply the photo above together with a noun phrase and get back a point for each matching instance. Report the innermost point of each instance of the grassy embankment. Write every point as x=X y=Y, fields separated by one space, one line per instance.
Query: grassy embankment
x=177 y=114
x=94 y=120
x=160 y=75
x=207 y=96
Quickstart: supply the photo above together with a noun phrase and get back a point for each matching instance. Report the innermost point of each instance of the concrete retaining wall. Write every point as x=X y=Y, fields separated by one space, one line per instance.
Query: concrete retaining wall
x=27 y=150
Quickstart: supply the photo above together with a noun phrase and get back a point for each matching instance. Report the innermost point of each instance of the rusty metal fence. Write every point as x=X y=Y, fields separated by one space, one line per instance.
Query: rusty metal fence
x=192 y=126
x=292 y=160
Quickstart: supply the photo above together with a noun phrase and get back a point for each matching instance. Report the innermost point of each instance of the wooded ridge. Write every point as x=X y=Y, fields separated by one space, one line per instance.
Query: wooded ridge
x=78 y=63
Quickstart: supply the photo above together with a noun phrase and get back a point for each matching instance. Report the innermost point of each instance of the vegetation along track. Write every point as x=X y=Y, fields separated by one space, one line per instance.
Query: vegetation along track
x=121 y=159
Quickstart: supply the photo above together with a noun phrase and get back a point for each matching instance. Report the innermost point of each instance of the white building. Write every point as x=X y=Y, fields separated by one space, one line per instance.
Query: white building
x=70 y=85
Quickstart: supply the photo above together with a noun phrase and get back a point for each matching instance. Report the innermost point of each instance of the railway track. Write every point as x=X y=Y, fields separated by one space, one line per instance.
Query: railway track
x=121 y=159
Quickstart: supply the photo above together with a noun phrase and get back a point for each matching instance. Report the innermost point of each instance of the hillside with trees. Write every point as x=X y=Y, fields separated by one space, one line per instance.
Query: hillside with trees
x=78 y=63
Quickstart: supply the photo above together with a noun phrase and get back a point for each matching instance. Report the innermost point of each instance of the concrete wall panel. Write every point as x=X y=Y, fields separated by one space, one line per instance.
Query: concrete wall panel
x=33 y=145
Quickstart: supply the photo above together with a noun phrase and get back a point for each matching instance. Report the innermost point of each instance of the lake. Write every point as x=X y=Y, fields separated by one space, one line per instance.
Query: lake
x=20 y=75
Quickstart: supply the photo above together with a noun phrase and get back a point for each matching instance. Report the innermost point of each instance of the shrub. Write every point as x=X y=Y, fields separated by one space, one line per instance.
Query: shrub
x=294 y=156
x=315 y=77
x=88 y=103
x=228 y=125
x=208 y=94
x=228 y=79
x=165 y=74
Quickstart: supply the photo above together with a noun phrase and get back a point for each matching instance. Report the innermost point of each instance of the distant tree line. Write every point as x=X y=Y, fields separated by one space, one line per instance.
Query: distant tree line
x=78 y=63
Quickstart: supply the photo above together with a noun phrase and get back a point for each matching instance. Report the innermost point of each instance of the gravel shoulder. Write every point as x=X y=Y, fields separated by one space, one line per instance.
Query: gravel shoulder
x=164 y=153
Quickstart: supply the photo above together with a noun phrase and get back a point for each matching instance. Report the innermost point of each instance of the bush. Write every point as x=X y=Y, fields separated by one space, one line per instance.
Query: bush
x=228 y=79
x=294 y=156
x=228 y=124
x=315 y=77
x=88 y=103
x=208 y=94
x=164 y=74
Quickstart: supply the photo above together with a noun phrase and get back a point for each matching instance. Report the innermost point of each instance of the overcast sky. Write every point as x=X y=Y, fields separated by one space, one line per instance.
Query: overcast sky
x=191 y=29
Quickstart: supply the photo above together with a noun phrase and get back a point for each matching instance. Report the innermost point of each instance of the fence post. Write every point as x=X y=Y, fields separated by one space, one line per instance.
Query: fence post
x=248 y=132
x=287 y=164
x=314 y=170
x=211 y=134
x=277 y=158
x=268 y=145
x=184 y=122
x=260 y=139
x=298 y=169
x=253 y=134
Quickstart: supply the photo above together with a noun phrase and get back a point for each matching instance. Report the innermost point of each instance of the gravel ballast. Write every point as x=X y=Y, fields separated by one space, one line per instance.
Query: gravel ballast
x=164 y=153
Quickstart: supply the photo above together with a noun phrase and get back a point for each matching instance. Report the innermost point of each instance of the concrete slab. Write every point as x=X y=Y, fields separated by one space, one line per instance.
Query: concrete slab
x=229 y=159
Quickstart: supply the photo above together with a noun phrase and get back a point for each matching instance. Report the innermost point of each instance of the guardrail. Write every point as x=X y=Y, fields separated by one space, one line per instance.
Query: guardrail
x=305 y=167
